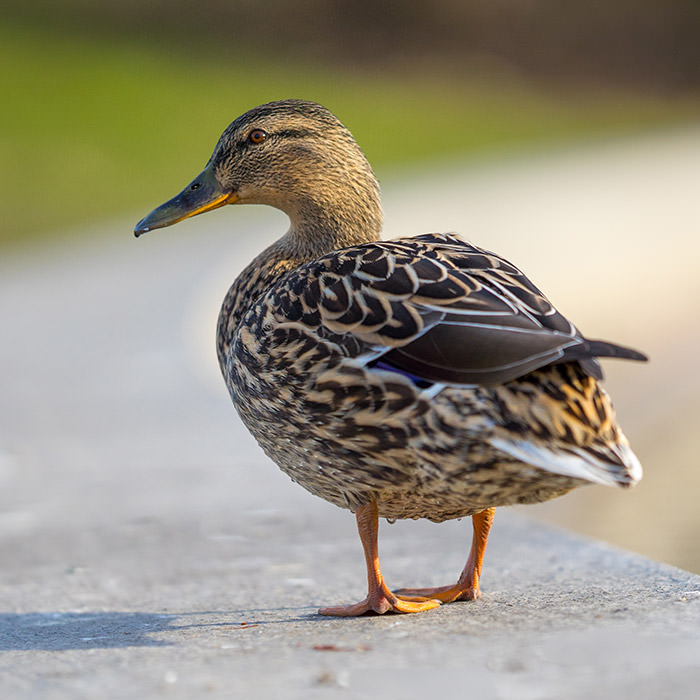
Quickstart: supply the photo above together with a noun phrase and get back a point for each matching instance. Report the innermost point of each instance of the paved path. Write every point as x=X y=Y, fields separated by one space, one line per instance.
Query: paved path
x=149 y=548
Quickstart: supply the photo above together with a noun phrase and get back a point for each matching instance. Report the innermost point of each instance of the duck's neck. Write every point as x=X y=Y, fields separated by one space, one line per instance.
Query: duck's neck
x=333 y=220
x=316 y=228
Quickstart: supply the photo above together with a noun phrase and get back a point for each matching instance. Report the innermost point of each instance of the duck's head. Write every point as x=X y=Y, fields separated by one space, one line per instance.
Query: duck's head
x=293 y=155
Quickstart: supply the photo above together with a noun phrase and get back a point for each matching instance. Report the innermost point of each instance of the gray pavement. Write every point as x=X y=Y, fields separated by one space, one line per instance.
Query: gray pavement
x=149 y=549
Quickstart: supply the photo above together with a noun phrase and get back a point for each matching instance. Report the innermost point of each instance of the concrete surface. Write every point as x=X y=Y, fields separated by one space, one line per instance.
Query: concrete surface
x=227 y=609
x=149 y=549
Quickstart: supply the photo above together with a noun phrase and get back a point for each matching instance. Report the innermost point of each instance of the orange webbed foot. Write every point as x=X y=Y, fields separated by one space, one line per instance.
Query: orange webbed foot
x=445 y=594
x=380 y=602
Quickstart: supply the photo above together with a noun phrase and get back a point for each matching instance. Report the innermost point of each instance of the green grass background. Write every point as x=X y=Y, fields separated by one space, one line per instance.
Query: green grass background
x=94 y=128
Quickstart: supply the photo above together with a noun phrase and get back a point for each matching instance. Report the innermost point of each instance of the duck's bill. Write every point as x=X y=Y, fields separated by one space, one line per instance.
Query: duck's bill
x=204 y=193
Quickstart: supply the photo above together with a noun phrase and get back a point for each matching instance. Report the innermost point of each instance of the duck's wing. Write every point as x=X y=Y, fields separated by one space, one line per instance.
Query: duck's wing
x=438 y=309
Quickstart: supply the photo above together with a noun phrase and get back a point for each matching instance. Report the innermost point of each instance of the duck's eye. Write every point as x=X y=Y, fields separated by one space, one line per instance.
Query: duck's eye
x=257 y=136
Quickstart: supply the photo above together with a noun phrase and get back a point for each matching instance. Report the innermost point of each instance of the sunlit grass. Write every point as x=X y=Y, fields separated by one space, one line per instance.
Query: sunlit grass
x=92 y=128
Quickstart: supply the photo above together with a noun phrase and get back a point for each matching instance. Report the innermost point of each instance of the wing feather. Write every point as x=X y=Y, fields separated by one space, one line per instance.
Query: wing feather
x=438 y=309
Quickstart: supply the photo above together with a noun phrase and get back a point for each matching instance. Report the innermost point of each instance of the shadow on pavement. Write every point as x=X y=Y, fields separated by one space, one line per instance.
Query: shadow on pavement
x=89 y=630
x=56 y=631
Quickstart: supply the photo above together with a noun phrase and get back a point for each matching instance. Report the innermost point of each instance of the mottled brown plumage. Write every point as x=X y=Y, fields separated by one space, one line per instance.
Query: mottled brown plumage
x=416 y=378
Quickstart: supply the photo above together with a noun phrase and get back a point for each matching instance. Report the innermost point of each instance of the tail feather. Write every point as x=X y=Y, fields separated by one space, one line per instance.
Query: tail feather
x=587 y=352
x=619 y=466
x=602 y=348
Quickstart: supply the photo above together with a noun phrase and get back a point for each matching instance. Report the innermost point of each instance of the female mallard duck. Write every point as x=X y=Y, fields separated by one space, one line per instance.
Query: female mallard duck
x=415 y=378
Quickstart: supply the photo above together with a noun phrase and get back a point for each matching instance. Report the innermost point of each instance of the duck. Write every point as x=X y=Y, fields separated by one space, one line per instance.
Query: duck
x=418 y=377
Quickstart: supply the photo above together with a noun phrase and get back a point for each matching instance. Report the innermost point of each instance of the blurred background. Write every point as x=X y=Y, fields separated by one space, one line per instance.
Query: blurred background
x=523 y=121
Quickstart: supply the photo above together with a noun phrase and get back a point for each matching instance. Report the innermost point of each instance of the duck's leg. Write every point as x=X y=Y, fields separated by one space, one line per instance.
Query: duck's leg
x=467 y=586
x=379 y=598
